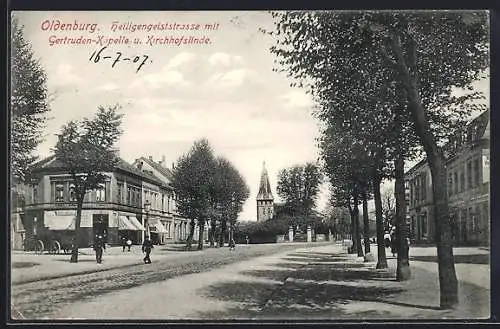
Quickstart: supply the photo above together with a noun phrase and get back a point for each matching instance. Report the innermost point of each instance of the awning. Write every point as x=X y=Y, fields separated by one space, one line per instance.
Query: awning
x=156 y=227
x=59 y=223
x=134 y=221
x=125 y=225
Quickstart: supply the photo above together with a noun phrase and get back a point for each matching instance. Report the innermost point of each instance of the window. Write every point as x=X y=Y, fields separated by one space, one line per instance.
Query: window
x=450 y=183
x=417 y=190
x=133 y=192
x=128 y=195
x=119 y=192
x=477 y=172
x=411 y=193
x=455 y=180
x=100 y=193
x=59 y=192
x=35 y=193
x=469 y=174
x=35 y=224
x=72 y=192
x=462 y=180
x=424 y=187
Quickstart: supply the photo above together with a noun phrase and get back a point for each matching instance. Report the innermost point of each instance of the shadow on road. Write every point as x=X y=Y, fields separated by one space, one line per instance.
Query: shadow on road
x=459 y=259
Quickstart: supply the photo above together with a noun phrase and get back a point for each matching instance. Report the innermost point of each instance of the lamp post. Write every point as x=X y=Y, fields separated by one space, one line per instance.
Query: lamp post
x=147 y=208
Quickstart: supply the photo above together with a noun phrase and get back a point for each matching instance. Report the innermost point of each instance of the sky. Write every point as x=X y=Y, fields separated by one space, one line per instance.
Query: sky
x=224 y=90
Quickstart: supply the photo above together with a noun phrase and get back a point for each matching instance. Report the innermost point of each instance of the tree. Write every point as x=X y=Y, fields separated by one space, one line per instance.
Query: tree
x=298 y=186
x=427 y=55
x=229 y=193
x=87 y=150
x=29 y=104
x=193 y=184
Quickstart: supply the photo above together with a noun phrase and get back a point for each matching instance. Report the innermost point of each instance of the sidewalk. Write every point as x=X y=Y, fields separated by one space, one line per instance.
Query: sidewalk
x=309 y=283
x=28 y=267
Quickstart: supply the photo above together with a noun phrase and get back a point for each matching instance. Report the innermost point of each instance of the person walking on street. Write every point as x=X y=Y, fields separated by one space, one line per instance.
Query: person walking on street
x=99 y=246
x=147 y=245
x=393 y=243
x=129 y=244
x=124 y=242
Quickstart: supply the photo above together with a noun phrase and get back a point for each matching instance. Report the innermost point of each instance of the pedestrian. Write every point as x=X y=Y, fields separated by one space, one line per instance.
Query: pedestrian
x=99 y=246
x=247 y=239
x=147 y=245
x=393 y=243
x=129 y=244
x=232 y=245
x=124 y=242
x=387 y=239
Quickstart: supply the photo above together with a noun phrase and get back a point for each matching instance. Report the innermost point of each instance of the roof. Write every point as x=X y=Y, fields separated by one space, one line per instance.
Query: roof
x=264 y=188
x=158 y=167
x=52 y=162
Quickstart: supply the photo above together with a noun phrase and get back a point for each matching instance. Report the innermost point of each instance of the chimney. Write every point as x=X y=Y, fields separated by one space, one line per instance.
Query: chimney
x=140 y=164
x=150 y=157
x=162 y=160
x=173 y=165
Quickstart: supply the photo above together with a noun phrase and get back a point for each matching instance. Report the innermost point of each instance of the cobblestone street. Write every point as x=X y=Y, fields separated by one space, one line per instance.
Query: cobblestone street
x=276 y=281
x=40 y=299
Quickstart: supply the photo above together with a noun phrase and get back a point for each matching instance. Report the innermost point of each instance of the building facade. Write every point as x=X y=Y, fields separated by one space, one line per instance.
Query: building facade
x=467 y=168
x=265 y=200
x=116 y=209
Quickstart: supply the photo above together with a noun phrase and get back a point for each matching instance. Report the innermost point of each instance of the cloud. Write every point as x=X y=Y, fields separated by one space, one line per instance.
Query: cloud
x=296 y=98
x=110 y=86
x=224 y=59
x=161 y=79
x=64 y=75
x=233 y=78
x=180 y=59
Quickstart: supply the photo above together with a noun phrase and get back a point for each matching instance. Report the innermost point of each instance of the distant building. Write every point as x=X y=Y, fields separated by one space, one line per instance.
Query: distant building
x=116 y=209
x=265 y=200
x=467 y=168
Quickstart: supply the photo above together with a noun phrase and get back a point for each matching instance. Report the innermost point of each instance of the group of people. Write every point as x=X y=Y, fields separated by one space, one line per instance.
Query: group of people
x=100 y=246
x=390 y=241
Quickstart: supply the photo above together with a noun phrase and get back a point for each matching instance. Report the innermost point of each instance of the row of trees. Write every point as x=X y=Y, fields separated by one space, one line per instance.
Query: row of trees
x=384 y=84
x=208 y=189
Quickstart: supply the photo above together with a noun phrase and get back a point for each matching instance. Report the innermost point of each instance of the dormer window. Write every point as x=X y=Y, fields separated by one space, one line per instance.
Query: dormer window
x=101 y=193
x=59 y=197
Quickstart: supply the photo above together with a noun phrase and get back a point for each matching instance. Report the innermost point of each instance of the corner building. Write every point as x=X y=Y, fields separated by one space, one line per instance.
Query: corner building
x=468 y=171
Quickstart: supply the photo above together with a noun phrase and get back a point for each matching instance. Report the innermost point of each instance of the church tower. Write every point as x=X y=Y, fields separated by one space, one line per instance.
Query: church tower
x=265 y=200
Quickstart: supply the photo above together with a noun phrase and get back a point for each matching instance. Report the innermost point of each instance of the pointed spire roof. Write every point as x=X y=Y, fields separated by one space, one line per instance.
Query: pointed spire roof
x=264 y=188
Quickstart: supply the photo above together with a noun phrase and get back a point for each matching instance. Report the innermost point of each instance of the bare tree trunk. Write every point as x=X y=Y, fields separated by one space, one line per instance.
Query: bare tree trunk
x=366 y=224
x=189 y=240
x=76 y=238
x=213 y=225
x=448 y=283
x=354 y=248
x=357 y=230
x=403 y=268
x=223 y=232
x=381 y=258
x=201 y=224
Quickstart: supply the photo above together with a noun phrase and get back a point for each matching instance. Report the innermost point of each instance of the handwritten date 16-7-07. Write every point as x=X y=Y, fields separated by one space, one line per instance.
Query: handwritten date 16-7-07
x=100 y=56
